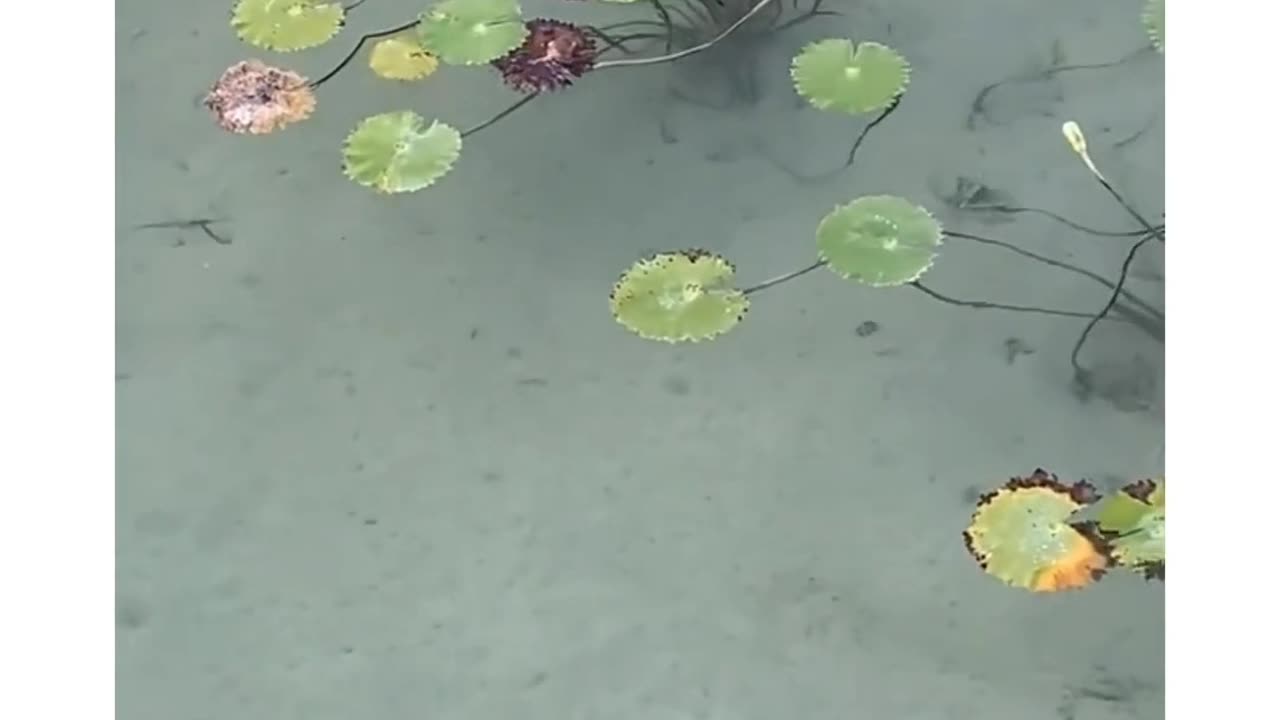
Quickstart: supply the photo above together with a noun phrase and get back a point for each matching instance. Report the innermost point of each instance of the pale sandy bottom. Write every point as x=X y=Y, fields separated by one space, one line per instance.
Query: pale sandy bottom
x=392 y=458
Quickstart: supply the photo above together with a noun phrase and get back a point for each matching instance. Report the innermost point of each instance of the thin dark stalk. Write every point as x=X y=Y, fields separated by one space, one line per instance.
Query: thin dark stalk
x=815 y=10
x=1014 y=209
x=978 y=106
x=974 y=304
x=984 y=305
x=1139 y=302
x=618 y=42
x=783 y=278
x=683 y=15
x=1081 y=374
x=777 y=15
x=1151 y=230
x=634 y=23
x=356 y=50
x=514 y=107
x=1075 y=138
x=696 y=12
x=853 y=151
x=805 y=18
x=666 y=23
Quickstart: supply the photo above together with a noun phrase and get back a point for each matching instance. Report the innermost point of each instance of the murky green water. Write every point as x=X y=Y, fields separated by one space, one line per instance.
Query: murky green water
x=392 y=457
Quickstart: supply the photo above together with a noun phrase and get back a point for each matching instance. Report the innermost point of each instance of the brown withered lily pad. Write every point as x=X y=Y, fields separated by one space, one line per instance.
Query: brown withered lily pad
x=255 y=98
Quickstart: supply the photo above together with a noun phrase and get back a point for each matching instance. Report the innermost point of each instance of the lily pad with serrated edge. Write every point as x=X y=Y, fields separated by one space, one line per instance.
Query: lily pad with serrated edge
x=472 y=32
x=287 y=25
x=398 y=152
x=682 y=296
x=1022 y=535
x=1133 y=521
x=833 y=74
x=1153 y=21
x=879 y=240
x=401 y=58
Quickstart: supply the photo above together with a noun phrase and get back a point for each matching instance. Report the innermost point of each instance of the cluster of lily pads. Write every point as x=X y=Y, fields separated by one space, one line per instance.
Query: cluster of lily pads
x=879 y=240
x=1041 y=534
x=686 y=295
x=401 y=151
x=1036 y=532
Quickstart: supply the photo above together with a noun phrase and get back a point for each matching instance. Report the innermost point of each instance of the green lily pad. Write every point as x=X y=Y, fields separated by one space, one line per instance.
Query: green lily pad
x=683 y=296
x=879 y=240
x=1022 y=534
x=1153 y=21
x=833 y=74
x=287 y=25
x=472 y=32
x=1133 y=520
x=398 y=152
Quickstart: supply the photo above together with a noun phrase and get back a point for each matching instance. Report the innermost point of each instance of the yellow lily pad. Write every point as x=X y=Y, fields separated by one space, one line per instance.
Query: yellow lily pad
x=402 y=58
x=1022 y=534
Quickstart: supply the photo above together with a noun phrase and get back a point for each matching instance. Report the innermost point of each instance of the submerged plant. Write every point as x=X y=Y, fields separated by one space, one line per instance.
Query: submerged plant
x=683 y=24
x=1041 y=534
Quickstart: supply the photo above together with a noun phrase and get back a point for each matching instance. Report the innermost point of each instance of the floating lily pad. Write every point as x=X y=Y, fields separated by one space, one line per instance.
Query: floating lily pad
x=287 y=25
x=1153 y=21
x=1022 y=535
x=879 y=240
x=398 y=152
x=401 y=58
x=833 y=74
x=472 y=32
x=1133 y=521
x=683 y=296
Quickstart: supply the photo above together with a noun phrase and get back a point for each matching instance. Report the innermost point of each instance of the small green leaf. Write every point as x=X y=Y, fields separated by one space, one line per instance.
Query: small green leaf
x=683 y=296
x=1133 y=519
x=472 y=32
x=287 y=25
x=398 y=152
x=834 y=75
x=879 y=240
